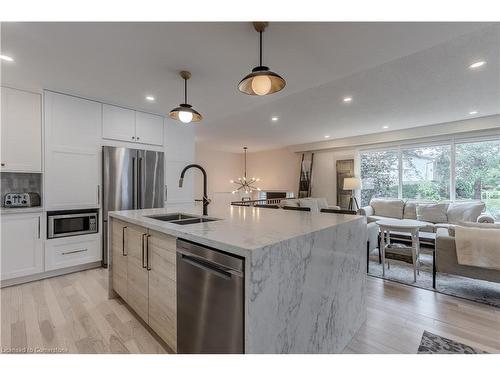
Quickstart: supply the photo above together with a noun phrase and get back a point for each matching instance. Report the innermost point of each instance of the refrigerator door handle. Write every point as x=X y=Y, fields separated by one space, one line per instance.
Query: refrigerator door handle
x=134 y=182
x=139 y=184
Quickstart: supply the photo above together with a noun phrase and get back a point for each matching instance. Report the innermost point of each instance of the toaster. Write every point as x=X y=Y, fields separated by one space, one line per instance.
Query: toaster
x=22 y=200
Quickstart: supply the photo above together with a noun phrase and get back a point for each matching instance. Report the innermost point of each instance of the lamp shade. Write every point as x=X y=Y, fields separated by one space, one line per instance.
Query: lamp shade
x=351 y=183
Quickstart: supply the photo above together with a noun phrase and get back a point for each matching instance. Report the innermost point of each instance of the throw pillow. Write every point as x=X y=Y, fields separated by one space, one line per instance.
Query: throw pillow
x=388 y=207
x=468 y=211
x=289 y=202
x=434 y=213
x=308 y=202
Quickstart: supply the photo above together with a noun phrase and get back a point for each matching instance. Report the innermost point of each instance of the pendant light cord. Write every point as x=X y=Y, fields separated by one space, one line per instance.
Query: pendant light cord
x=245 y=161
x=260 y=47
x=185 y=91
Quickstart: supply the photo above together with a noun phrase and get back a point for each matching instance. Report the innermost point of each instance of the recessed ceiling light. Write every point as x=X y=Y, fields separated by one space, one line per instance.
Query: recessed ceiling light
x=150 y=98
x=6 y=58
x=477 y=64
x=347 y=99
x=327 y=136
x=473 y=113
x=385 y=127
x=275 y=118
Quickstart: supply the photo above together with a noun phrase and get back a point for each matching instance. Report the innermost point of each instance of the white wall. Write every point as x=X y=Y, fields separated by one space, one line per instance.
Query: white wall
x=324 y=182
x=278 y=170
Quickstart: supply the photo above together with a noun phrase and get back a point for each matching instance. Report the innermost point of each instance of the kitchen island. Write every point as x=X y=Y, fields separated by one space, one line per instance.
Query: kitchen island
x=304 y=286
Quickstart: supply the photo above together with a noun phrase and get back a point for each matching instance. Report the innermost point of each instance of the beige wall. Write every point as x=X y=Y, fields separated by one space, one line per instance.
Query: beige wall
x=325 y=174
x=278 y=170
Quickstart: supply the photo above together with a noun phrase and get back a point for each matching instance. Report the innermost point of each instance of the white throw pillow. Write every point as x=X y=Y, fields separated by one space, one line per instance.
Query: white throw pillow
x=435 y=213
x=322 y=203
x=289 y=202
x=308 y=202
x=388 y=207
x=468 y=211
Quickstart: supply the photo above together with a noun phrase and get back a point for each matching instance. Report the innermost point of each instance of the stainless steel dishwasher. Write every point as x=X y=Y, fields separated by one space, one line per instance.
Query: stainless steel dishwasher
x=210 y=300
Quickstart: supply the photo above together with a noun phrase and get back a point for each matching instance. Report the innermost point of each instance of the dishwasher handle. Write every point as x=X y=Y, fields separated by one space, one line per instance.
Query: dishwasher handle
x=208 y=266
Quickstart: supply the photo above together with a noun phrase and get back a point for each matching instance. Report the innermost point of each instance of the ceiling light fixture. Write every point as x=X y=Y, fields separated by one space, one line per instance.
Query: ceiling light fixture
x=473 y=113
x=184 y=112
x=275 y=118
x=6 y=58
x=150 y=98
x=347 y=99
x=245 y=184
x=261 y=81
x=477 y=64
x=385 y=127
x=327 y=136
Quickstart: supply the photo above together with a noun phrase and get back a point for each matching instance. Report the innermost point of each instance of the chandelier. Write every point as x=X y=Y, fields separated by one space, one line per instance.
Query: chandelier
x=245 y=184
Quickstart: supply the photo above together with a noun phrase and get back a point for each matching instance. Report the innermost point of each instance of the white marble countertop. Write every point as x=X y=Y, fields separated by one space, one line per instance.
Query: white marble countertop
x=242 y=229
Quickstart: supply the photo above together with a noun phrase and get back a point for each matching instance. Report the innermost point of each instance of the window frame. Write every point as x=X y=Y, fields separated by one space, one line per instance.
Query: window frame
x=451 y=141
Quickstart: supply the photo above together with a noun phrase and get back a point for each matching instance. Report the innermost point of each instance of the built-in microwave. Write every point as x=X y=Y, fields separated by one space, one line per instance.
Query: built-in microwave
x=71 y=223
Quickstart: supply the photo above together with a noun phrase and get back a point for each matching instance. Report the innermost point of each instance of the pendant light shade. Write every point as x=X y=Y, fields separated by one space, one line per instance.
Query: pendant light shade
x=185 y=112
x=261 y=81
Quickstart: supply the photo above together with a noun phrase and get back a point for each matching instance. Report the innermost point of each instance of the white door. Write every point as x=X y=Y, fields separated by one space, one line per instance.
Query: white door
x=21 y=131
x=22 y=247
x=118 y=123
x=73 y=133
x=149 y=128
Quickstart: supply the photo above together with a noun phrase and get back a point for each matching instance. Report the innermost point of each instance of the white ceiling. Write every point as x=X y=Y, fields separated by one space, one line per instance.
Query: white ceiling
x=399 y=74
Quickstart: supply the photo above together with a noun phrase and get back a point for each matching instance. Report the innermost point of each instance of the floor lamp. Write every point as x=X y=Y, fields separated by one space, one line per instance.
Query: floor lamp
x=352 y=183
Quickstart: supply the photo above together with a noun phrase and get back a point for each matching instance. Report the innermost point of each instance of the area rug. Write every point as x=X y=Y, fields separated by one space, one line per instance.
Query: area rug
x=457 y=286
x=434 y=344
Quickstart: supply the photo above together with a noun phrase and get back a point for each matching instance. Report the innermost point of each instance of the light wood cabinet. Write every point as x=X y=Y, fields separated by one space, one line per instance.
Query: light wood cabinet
x=119 y=255
x=145 y=277
x=162 y=287
x=22 y=247
x=21 y=131
x=137 y=273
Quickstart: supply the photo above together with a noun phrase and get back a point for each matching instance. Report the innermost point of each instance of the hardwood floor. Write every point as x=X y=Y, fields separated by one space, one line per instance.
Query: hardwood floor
x=72 y=314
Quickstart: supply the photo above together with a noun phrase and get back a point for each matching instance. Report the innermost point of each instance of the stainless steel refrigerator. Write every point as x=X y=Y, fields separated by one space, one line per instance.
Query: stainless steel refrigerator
x=132 y=179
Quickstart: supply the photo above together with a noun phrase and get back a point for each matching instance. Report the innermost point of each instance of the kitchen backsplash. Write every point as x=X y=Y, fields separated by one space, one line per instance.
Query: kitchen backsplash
x=12 y=182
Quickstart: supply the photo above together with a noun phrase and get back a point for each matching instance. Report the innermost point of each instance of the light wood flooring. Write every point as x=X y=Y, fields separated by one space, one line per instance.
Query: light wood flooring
x=72 y=314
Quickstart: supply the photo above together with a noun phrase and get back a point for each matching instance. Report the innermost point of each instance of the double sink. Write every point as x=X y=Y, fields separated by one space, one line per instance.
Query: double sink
x=182 y=219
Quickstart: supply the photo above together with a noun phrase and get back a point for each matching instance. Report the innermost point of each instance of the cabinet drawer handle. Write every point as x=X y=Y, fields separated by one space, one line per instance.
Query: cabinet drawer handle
x=123 y=241
x=74 y=251
x=143 y=265
x=148 y=267
x=3 y=164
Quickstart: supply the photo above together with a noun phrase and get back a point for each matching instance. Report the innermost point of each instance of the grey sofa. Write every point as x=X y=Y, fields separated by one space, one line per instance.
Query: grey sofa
x=436 y=215
x=446 y=260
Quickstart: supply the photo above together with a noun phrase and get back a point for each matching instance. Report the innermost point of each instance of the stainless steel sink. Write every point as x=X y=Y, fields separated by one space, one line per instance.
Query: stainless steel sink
x=172 y=217
x=193 y=221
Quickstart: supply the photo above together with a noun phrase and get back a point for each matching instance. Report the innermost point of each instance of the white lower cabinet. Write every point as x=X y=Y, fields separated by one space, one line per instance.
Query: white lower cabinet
x=22 y=245
x=72 y=251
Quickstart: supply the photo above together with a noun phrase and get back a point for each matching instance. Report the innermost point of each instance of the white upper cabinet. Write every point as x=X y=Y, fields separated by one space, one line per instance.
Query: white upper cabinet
x=118 y=123
x=149 y=128
x=21 y=131
x=72 y=152
x=131 y=126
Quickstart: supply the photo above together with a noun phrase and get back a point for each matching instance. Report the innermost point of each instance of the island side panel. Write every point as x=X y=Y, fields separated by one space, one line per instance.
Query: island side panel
x=307 y=294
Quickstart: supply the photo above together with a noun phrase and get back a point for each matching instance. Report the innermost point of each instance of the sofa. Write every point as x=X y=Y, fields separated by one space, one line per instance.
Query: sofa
x=435 y=215
x=314 y=204
x=447 y=262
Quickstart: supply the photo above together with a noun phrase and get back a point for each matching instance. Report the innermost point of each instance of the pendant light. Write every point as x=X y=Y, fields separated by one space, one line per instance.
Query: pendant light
x=245 y=184
x=185 y=112
x=261 y=81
